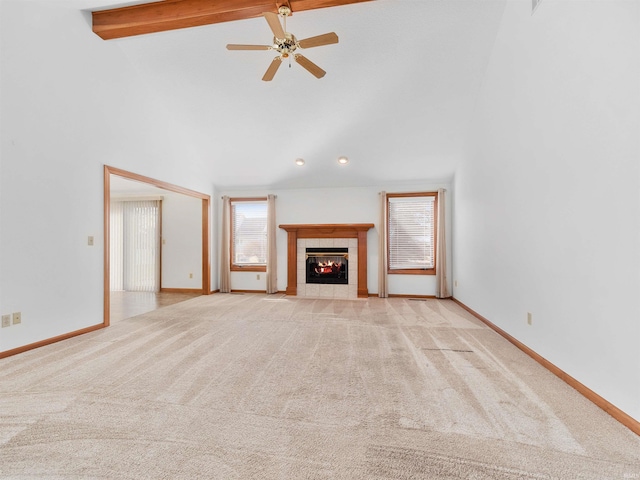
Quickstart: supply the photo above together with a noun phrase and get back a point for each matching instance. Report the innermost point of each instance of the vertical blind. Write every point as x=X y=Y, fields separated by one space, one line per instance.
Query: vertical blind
x=116 y=247
x=411 y=233
x=249 y=225
x=135 y=246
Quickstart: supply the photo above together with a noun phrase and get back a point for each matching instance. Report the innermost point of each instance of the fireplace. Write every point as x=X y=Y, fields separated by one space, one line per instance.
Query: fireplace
x=300 y=237
x=327 y=265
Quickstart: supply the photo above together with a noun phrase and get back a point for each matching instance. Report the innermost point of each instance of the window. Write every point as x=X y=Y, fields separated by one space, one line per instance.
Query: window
x=249 y=234
x=411 y=219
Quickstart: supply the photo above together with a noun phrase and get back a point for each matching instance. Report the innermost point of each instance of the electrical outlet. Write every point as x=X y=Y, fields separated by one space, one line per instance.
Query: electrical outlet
x=455 y=283
x=191 y=275
x=258 y=276
x=17 y=318
x=90 y=240
x=529 y=318
x=6 y=321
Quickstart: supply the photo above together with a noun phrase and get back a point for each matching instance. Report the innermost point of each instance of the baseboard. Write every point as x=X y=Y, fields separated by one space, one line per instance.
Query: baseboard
x=254 y=291
x=217 y=290
x=180 y=290
x=402 y=295
x=421 y=297
x=49 y=341
x=622 y=417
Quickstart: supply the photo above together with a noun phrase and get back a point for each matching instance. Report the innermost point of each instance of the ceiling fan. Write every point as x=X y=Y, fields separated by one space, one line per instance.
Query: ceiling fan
x=286 y=44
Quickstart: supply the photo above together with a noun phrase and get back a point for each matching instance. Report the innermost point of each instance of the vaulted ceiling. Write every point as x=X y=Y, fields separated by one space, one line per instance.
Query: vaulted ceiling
x=397 y=98
x=163 y=15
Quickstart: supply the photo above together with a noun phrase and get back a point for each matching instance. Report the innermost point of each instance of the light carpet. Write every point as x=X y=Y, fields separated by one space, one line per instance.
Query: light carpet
x=273 y=387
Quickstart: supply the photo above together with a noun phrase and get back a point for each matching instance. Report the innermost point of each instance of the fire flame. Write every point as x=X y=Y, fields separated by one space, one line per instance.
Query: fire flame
x=328 y=267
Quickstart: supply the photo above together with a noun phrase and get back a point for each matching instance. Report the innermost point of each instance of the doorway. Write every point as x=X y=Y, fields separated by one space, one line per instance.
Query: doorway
x=137 y=301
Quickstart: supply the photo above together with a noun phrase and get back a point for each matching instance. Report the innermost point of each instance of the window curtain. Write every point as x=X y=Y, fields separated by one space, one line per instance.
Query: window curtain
x=442 y=287
x=225 y=260
x=272 y=266
x=382 y=248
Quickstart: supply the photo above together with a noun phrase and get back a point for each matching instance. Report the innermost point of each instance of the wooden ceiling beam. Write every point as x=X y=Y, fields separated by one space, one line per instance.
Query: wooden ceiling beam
x=174 y=14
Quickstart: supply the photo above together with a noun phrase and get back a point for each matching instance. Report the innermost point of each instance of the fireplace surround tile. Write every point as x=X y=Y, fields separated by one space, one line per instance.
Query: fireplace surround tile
x=353 y=291
x=327 y=291
x=353 y=266
x=328 y=242
x=342 y=293
x=312 y=290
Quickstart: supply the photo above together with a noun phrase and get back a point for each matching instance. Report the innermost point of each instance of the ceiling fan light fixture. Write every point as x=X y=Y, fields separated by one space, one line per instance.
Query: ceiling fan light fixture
x=300 y=161
x=343 y=160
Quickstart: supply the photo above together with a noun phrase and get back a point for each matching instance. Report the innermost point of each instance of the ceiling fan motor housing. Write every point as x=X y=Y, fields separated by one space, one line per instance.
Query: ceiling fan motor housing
x=285 y=46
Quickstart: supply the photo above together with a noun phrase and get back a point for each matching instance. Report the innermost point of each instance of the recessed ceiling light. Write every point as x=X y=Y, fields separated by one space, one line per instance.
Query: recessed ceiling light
x=299 y=162
x=343 y=160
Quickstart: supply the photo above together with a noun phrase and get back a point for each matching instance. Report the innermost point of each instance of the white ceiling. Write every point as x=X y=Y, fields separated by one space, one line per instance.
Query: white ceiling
x=397 y=98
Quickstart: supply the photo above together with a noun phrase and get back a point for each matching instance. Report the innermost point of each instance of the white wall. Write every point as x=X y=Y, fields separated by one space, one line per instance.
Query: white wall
x=181 y=242
x=70 y=102
x=337 y=205
x=547 y=216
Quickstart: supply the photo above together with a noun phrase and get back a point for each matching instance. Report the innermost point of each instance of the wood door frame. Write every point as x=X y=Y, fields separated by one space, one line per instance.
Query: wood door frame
x=206 y=209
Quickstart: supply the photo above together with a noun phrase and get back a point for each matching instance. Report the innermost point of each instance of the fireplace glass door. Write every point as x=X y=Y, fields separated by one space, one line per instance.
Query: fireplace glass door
x=327 y=265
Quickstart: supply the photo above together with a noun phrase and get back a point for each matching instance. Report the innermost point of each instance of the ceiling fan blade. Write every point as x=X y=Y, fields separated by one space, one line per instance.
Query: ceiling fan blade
x=310 y=66
x=273 y=68
x=233 y=46
x=326 y=39
x=274 y=23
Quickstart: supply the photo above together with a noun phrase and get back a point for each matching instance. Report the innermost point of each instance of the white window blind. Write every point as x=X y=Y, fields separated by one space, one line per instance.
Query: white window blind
x=116 y=247
x=249 y=221
x=135 y=246
x=411 y=233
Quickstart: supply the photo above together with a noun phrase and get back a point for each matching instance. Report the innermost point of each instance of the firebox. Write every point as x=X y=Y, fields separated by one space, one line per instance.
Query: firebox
x=328 y=265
